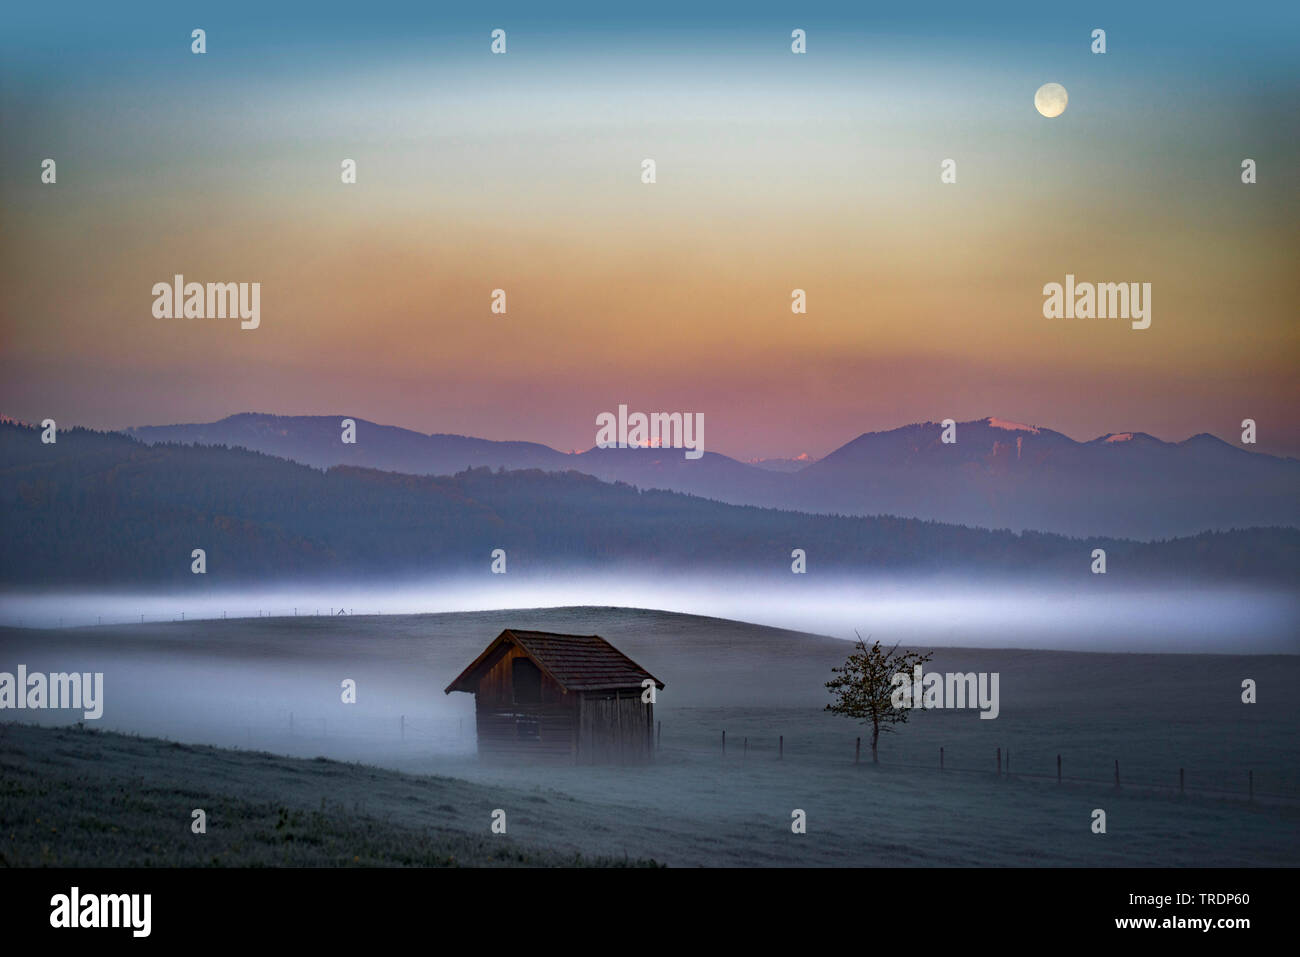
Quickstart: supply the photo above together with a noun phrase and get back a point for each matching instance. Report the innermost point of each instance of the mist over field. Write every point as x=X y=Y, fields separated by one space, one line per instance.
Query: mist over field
x=1096 y=615
x=273 y=685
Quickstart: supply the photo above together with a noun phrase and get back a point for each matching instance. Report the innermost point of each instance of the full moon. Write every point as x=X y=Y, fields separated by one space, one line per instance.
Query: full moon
x=1051 y=99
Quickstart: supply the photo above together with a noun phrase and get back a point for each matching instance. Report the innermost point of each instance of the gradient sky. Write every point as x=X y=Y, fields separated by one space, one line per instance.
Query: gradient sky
x=775 y=171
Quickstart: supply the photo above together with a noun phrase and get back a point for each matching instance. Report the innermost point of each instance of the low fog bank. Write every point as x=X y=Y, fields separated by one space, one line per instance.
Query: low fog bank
x=278 y=684
x=1096 y=615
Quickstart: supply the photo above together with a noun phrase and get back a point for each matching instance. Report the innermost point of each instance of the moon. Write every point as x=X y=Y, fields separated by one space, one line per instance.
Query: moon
x=1050 y=100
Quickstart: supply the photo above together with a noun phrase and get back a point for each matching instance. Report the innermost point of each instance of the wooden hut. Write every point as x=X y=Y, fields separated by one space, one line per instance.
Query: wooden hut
x=566 y=698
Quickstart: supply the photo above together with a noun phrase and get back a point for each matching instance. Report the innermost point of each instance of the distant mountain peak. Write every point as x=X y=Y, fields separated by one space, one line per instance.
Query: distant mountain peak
x=1210 y=441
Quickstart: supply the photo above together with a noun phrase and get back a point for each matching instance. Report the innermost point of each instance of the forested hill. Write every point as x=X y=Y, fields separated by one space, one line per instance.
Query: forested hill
x=992 y=474
x=102 y=508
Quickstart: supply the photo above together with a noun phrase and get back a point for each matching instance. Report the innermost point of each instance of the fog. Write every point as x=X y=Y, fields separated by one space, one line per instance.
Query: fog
x=275 y=683
x=1097 y=615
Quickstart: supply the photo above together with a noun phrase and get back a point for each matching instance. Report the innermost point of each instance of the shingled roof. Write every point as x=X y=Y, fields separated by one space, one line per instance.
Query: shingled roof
x=575 y=662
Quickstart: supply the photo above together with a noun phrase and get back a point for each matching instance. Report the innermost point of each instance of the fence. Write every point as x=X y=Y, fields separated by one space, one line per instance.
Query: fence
x=447 y=736
x=1000 y=766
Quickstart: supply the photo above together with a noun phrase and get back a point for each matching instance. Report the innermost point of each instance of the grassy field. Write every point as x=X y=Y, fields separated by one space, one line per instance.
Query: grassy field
x=74 y=797
x=273 y=685
x=83 y=798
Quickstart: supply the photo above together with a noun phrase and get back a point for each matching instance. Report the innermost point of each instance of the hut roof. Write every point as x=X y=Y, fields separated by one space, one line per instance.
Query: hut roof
x=575 y=662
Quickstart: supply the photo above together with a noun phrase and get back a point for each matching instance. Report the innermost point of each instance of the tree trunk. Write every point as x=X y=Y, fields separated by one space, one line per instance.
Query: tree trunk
x=875 y=735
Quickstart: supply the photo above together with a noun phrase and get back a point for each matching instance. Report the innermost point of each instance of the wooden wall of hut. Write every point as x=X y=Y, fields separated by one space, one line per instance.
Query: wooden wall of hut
x=614 y=727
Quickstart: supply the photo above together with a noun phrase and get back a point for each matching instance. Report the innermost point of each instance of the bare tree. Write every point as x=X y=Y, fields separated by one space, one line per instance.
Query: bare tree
x=863 y=687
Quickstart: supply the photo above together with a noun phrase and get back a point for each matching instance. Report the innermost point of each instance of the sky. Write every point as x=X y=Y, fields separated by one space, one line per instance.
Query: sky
x=774 y=172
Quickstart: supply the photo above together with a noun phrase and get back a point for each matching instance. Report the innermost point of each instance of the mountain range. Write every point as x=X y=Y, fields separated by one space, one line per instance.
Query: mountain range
x=104 y=508
x=998 y=474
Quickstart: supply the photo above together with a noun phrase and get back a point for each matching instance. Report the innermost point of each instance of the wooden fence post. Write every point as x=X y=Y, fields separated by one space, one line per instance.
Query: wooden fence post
x=1117 y=772
x=999 y=760
x=745 y=753
x=724 y=742
x=1180 y=780
x=780 y=748
x=940 y=757
x=857 y=751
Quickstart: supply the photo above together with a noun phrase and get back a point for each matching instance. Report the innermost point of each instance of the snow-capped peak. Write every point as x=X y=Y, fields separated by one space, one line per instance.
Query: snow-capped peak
x=997 y=423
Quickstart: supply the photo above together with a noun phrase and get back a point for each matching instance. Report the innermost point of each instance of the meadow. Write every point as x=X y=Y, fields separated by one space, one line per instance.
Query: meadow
x=272 y=685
